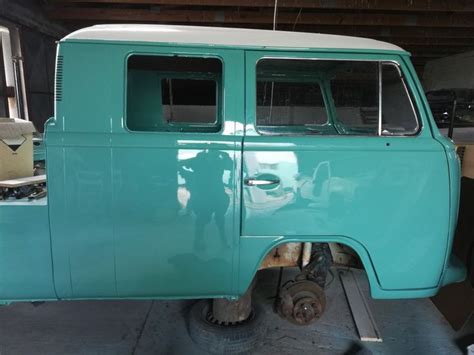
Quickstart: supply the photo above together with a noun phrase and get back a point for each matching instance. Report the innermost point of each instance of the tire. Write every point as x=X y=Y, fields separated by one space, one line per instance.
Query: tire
x=225 y=339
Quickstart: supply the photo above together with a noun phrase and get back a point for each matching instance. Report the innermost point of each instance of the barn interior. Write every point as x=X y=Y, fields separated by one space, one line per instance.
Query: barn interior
x=440 y=37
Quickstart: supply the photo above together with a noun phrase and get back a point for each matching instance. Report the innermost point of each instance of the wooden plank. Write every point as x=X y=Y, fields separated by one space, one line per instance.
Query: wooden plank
x=262 y=16
x=360 y=309
x=373 y=5
x=384 y=32
x=388 y=34
x=30 y=16
x=13 y=183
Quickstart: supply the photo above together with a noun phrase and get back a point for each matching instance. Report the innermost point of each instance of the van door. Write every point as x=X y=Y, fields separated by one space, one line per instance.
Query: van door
x=335 y=147
x=175 y=173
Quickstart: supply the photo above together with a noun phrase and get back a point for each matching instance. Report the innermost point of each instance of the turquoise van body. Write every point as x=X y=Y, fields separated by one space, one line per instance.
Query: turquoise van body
x=115 y=223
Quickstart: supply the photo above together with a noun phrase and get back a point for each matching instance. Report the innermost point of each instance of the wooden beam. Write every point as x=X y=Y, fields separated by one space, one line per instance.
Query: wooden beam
x=382 y=33
x=438 y=49
x=423 y=57
x=261 y=17
x=431 y=46
x=360 y=309
x=13 y=14
x=428 y=42
x=386 y=32
x=375 y=5
x=14 y=183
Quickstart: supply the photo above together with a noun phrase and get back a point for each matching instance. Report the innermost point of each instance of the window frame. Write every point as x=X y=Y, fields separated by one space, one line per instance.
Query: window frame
x=329 y=106
x=190 y=128
x=409 y=94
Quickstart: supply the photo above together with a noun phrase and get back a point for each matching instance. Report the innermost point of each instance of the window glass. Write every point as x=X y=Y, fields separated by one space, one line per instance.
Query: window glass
x=334 y=97
x=171 y=93
x=289 y=97
x=354 y=88
x=398 y=115
x=292 y=104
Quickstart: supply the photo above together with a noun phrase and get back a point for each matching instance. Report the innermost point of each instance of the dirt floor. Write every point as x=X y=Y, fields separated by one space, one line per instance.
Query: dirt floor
x=160 y=327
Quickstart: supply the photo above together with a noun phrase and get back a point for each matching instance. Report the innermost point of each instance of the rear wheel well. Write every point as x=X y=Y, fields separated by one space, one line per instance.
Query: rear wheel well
x=292 y=254
x=254 y=250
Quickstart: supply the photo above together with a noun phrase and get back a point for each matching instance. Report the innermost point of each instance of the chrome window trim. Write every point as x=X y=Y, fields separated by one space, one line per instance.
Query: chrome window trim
x=417 y=130
x=379 y=130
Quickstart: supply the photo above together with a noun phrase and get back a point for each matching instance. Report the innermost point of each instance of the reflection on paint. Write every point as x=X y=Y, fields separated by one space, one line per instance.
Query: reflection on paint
x=203 y=194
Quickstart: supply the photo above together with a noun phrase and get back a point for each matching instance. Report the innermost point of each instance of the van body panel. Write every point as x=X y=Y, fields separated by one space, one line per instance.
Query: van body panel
x=154 y=214
x=25 y=252
x=170 y=215
x=383 y=192
x=384 y=197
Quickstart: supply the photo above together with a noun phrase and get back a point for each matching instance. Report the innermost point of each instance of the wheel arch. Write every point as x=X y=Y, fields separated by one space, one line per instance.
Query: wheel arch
x=254 y=249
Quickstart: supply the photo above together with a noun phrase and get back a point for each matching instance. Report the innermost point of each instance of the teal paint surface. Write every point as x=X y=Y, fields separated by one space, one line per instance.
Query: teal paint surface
x=144 y=96
x=166 y=215
x=368 y=192
x=154 y=213
x=39 y=151
x=373 y=190
x=25 y=251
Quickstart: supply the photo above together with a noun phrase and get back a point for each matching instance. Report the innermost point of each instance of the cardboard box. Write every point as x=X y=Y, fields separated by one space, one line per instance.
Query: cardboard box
x=16 y=148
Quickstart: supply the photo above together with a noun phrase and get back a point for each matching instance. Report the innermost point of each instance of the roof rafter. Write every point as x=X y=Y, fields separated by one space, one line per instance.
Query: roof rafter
x=375 y=5
x=260 y=17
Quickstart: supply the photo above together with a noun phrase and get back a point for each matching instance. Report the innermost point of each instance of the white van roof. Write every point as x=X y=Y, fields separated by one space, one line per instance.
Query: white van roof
x=220 y=36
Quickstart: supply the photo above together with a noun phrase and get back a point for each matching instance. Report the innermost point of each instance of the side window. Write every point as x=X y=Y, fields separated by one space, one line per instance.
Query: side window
x=172 y=93
x=398 y=114
x=289 y=97
x=333 y=97
x=355 y=94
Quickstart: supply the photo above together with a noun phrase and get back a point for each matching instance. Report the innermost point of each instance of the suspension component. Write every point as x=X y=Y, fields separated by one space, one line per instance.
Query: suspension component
x=301 y=302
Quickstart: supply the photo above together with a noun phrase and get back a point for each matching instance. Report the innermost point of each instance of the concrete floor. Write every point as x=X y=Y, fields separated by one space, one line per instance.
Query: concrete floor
x=159 y=327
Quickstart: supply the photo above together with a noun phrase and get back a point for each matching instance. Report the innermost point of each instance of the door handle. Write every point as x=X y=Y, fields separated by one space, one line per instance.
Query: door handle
x=261 y=182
